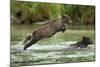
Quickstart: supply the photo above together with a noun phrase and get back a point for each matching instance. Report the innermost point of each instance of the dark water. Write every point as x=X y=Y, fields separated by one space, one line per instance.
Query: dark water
x=47 y=54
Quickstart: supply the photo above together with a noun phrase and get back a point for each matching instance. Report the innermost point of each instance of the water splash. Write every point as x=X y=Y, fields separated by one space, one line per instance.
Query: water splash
x=53 y=53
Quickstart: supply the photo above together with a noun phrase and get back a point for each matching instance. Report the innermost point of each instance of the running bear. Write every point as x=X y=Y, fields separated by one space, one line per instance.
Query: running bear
x=48 y=30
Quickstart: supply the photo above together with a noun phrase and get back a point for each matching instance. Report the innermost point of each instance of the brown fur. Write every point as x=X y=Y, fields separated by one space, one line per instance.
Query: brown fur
x=49 y=30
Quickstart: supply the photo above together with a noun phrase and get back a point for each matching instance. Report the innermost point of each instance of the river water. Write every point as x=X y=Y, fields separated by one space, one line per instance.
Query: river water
x=46 y=54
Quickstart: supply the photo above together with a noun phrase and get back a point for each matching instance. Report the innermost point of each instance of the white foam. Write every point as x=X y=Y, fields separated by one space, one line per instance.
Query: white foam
x=48 y=53
x=55 y=46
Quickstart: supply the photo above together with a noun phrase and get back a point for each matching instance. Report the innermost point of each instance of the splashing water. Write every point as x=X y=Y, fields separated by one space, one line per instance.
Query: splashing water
x=53 y=53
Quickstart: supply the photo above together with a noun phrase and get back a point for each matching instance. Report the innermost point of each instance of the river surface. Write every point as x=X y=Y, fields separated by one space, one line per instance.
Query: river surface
x=46 y=54
x=52 y=50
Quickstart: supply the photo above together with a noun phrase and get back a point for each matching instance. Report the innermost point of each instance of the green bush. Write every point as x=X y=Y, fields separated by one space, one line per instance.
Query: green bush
x=36 y=11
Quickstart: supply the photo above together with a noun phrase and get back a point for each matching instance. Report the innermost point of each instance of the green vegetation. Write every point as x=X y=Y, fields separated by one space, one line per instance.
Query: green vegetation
x=36 y=11
x=83 y=17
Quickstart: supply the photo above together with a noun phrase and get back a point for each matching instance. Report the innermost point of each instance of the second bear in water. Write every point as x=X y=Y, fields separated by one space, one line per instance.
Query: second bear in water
x=82 y=44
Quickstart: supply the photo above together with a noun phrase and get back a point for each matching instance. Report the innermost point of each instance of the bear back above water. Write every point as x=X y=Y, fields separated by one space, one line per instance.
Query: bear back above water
x=82 y=44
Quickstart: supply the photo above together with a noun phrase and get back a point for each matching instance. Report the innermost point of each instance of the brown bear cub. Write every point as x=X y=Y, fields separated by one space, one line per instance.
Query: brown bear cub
x=48 y=30
x=82 y=44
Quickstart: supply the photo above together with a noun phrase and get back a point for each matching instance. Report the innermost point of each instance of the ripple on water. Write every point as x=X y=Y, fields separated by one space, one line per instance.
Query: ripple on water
x=40 y=54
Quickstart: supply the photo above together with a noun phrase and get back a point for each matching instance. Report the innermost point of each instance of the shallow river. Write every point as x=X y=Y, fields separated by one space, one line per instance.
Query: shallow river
x=47 y=54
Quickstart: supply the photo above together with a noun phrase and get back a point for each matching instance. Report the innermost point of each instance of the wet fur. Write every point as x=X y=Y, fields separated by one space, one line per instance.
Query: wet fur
x=83 y=43
x=48 y=30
